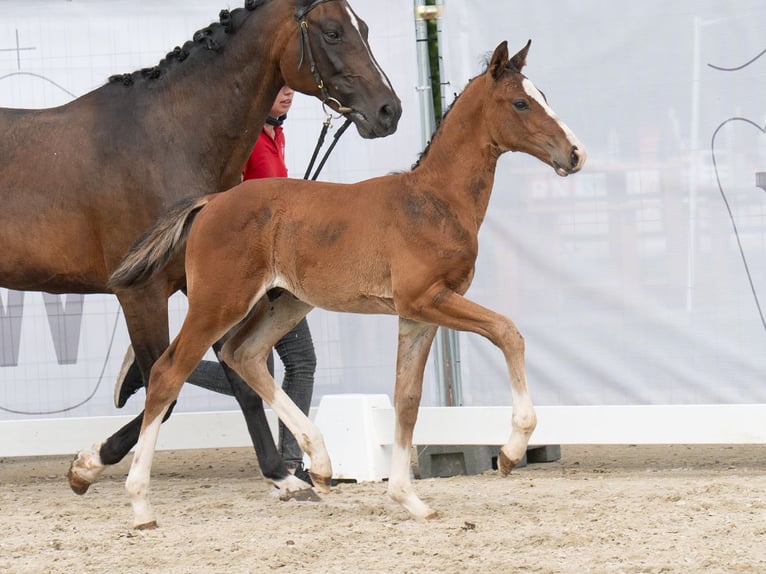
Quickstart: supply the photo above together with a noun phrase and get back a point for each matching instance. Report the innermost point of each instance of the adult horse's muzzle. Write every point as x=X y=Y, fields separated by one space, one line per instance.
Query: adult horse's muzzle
x=380 y=120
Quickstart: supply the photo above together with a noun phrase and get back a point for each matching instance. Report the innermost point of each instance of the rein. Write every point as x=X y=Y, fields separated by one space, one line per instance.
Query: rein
x=320 y=142
x=306 y=50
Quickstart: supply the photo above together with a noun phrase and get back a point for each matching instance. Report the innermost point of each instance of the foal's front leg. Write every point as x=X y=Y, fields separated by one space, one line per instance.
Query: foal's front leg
x=456 y=312
x=414 y=344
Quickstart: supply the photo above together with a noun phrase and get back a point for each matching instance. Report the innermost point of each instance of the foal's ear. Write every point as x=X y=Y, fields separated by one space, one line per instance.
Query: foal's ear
x=499 y=60
x=520 y=59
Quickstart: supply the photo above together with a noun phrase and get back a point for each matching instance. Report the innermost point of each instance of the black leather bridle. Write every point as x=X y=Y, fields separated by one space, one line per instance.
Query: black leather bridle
x=303 y=25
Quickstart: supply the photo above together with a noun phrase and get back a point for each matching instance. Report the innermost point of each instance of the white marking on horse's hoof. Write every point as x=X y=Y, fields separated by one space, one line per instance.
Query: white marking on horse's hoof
x=84 y=470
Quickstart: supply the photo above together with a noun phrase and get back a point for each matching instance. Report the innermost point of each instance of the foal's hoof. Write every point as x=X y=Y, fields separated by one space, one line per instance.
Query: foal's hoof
x=307 y=495
x=293 y=488
x=433 y=515
x=505 y=464
x=146 y=526
x=321 y=483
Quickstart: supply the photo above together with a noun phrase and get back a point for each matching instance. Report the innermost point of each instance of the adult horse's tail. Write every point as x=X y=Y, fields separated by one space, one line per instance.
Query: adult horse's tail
x=158 y=244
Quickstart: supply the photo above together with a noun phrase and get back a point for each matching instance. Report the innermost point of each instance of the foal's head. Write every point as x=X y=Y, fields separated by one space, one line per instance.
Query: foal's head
x=333 y=40
x=519 y=119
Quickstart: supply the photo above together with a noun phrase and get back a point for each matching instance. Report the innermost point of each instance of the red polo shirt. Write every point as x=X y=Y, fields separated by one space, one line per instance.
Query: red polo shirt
x=268 y=157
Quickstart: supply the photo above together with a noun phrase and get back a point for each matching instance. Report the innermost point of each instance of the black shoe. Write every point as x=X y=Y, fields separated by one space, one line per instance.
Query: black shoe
x=128 y=381
x=304 y=475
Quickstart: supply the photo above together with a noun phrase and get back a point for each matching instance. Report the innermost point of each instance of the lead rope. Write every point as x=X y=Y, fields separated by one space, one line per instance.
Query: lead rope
x=320 y=143
x=306 y=51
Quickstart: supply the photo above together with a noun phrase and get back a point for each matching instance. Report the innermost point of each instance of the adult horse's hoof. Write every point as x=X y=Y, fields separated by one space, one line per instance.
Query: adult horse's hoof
x=76 y=482
x=84 y=470
x=146 y=526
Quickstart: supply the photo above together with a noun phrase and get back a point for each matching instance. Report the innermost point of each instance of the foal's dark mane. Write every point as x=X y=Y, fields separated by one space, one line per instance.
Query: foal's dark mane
x=422 y=156
x=211 y=38
x=436 y=133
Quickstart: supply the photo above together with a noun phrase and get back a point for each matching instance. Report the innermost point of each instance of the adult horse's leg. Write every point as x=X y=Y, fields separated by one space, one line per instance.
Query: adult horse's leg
x=414 y=344
x=208 y=375
x=146 y=315
x=247 y=350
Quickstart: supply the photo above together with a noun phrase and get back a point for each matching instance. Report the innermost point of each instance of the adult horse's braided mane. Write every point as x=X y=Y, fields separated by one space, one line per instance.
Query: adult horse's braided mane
x=211 y=38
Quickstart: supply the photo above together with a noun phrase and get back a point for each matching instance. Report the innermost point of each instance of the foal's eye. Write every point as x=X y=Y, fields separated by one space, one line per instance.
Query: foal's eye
x=521 y=105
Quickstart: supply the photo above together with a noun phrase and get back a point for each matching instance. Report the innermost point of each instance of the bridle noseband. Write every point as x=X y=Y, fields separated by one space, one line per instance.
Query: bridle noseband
x=303 y=26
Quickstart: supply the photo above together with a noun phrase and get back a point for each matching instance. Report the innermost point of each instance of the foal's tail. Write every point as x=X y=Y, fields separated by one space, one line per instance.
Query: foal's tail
x=158 y=245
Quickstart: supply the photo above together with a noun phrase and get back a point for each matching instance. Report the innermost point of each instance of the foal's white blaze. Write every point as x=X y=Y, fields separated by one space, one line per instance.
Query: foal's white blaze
x=537 y=96
x=355 y=23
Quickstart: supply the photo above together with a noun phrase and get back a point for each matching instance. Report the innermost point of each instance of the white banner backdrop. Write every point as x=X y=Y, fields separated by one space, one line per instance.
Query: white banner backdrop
x=641 y=280
x=628 y=280
x=59 y=354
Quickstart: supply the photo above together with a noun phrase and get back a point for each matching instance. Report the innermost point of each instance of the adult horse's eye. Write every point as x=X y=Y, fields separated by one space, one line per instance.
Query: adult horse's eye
x=332 y=36
x=521 y=105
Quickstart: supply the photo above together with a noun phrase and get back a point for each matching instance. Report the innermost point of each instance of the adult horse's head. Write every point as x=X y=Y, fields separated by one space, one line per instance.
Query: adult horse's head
x=332 y=60
x=520 y=118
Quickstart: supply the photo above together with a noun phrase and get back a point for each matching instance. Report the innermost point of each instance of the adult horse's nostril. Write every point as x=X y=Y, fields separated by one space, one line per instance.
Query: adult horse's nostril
x=389 y=114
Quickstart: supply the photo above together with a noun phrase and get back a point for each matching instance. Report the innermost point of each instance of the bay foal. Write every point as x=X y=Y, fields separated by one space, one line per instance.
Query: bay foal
x=263 y=254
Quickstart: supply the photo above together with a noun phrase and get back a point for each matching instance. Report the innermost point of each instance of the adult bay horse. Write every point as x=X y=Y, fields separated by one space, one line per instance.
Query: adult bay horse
x=85 y=179
x=263 y=254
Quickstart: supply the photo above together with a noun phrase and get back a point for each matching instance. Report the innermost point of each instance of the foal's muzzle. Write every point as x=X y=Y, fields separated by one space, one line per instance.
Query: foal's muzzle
x=575 y=162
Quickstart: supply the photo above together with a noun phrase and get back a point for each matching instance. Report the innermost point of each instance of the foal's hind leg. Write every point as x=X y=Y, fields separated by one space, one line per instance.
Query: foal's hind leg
x=270 y=462
x=247 y=351
x=414 y=344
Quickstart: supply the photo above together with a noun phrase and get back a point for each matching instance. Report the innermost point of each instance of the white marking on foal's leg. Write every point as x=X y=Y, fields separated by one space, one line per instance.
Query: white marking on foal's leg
x=400 y=487
x=308 y=436
x=137 y=483
x=523 y=424
x=85 y=469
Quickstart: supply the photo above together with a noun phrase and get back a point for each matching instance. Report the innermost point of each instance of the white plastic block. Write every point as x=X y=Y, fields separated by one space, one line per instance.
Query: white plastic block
x=347 y=424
